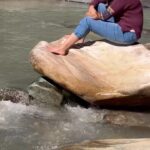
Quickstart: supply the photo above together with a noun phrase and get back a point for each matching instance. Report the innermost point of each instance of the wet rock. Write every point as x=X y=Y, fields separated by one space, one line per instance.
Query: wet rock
x=127 y=118
x=116 y=118
x=99 y=72
x=112 y=144
x=45 y=93
x=14 y=95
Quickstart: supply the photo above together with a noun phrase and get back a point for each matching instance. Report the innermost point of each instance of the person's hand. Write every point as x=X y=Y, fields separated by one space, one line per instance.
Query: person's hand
x=92 y=13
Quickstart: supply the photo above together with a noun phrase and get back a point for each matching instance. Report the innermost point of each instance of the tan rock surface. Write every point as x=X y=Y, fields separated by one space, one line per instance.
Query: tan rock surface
x=112 y=144
x=99 y=72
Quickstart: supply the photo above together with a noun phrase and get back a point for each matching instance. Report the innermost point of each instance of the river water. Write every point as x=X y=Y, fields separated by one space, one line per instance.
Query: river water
x=23 y=24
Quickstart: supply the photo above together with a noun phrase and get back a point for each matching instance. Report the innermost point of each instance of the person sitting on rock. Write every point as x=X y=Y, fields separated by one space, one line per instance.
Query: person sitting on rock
x=115 y=20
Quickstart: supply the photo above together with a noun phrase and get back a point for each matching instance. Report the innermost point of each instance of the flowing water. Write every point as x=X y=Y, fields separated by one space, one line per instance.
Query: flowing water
x=32 y=128
x=23 y=24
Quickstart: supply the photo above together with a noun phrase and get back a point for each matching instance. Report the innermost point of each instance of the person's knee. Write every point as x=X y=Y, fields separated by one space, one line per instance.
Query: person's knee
x=101 y=7
x=86 y=21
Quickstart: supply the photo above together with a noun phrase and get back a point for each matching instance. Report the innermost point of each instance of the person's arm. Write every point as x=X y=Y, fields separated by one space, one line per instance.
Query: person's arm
x=116 y=7
x=92 y=12
x=96 y=2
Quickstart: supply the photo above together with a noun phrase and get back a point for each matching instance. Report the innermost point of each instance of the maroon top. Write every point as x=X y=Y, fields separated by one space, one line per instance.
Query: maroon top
x=128 y=14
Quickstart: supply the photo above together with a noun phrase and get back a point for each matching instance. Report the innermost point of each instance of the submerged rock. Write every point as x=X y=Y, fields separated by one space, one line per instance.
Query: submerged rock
x=112 y=144
x=14 y=95
x=99 y=72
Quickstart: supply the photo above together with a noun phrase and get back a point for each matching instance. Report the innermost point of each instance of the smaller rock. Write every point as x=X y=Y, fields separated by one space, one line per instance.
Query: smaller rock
x=45 y=93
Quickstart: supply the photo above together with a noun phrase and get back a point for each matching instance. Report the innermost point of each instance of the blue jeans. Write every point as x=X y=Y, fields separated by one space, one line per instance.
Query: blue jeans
x=107 y=29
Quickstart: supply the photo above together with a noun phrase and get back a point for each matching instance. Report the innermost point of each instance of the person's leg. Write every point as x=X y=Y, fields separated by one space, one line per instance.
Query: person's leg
x=110 y=31
x=130 y=37
x=65 y=37
x=102 y=28
x=80 y=32
x=102 y=8
x=62 y=49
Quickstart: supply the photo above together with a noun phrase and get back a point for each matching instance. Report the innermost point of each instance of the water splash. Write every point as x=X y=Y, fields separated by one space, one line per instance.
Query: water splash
x=38 y=128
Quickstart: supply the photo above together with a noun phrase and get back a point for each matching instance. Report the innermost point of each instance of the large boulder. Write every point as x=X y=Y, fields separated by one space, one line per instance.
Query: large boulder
x=99 y=72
